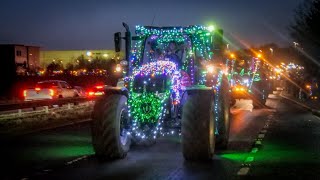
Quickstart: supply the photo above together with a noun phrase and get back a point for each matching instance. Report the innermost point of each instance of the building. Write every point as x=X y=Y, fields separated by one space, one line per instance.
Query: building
x=66 y=57
x=16 y=59
x=27 y=57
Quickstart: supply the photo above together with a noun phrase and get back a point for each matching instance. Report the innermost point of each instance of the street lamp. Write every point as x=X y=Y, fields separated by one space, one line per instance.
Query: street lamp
x=118 y=68
x=271 y=51
x=89 y=53
x=232 y=56
x=211 y=28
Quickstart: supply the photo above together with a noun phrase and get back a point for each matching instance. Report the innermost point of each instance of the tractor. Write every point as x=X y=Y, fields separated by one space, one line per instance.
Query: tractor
x=248 y=80
x=174 y=82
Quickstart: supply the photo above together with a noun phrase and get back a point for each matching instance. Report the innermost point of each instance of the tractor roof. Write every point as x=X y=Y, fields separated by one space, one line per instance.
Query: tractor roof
x=189 y=30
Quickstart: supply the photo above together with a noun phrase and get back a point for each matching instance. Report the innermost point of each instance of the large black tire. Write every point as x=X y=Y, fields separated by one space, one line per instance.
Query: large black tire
x=223 y=124
x=259 y=99
x=260 y=94
x=107 y=116
x=198 y=126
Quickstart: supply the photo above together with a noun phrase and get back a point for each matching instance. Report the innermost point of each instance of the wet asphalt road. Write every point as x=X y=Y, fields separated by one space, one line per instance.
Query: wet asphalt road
x=263 y=144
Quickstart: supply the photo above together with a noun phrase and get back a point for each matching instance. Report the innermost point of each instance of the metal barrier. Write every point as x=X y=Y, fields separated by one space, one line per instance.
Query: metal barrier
x=42 y=103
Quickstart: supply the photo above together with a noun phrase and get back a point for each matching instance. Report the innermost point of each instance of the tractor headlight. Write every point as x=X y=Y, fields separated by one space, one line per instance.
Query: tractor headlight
x=210 y=69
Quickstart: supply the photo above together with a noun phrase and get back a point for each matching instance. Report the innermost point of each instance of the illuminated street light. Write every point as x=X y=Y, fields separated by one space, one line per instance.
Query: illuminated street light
x=259 y=55
x=232 y=56
x=118 y=68
x=89 y=53
x=210 y=28
x=105 y=55
x=308 y=86
x=277 y=70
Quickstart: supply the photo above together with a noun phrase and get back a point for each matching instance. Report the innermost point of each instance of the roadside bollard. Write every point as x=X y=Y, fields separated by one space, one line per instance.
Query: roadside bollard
x=46 y=109
x=19 y=112
x=69 y=106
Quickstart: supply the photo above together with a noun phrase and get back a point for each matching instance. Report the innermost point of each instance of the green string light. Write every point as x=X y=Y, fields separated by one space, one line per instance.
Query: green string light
x=146 y=107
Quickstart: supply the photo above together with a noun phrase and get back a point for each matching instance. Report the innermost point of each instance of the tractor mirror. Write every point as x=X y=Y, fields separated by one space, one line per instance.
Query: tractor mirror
x=123 y=63
x=117 y=41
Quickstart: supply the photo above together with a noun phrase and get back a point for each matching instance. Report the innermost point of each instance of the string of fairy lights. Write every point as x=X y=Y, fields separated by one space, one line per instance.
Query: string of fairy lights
x=147 y=106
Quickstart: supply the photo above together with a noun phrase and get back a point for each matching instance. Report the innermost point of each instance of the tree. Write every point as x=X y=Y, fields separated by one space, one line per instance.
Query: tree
x=305 y=30
x=69 y=67
x=54 y=67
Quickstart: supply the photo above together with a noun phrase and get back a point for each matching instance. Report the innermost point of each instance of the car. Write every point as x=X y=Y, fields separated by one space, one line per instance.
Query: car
x=50 y=89
x=95 y=91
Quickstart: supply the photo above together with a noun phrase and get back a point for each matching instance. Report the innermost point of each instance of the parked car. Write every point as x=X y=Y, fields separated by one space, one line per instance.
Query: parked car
x=50 y=89
x=97 y=90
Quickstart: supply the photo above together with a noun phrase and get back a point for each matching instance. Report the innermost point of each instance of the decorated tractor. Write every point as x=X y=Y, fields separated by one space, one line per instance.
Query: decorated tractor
x=174 y=83
x=248 y=81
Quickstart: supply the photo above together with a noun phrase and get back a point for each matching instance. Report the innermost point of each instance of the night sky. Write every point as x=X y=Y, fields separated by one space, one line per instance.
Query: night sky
x=90 y=24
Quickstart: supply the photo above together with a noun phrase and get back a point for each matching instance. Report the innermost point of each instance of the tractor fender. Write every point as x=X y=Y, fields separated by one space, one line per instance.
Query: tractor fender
x=193 y=89
x=117 y=90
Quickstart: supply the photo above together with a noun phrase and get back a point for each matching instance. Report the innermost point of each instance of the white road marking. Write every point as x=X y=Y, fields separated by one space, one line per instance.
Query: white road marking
x=264 y=131
x=76 y=160
x=261 y=136
x=47 y=170
x=254 y=150
x=243 y=171
x=258 y=142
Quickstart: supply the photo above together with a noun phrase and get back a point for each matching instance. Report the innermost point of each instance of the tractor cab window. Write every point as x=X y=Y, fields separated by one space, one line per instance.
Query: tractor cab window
x=166 y=48
x=203 y=48
x=157 y=83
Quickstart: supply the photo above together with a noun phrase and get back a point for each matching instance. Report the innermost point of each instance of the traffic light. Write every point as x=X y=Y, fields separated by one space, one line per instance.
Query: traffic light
x=117 y=41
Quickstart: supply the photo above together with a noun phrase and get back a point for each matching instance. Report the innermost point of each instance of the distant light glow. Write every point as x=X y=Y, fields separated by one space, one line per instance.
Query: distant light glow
x=210 y=28
x=89 y=53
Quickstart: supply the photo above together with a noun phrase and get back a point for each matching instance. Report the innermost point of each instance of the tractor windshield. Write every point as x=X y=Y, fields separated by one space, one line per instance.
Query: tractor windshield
x=157 y=83
x=162 y=47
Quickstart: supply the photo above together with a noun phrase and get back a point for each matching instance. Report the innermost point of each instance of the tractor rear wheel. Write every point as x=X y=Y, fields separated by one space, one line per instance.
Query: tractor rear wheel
x=198 y=126
x=223 y=123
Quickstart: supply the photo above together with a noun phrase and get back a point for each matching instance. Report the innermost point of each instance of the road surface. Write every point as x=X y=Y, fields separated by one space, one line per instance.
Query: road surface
x=264 y=144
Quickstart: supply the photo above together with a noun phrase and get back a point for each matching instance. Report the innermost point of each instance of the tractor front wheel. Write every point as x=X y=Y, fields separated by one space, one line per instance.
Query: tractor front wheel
x=110 y=137
x=198 y=126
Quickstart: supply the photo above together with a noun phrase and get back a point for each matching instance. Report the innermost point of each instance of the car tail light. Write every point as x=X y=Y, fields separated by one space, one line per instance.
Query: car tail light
x=37 y=89
x=99 y=93
x=90 y=93
x=25 y=93
x=99 y=87
x=175 y=102
x=239 y=89
x=51 y=92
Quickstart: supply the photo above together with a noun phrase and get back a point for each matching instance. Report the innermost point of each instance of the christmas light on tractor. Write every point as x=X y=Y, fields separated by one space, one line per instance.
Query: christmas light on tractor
x=175 y=83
